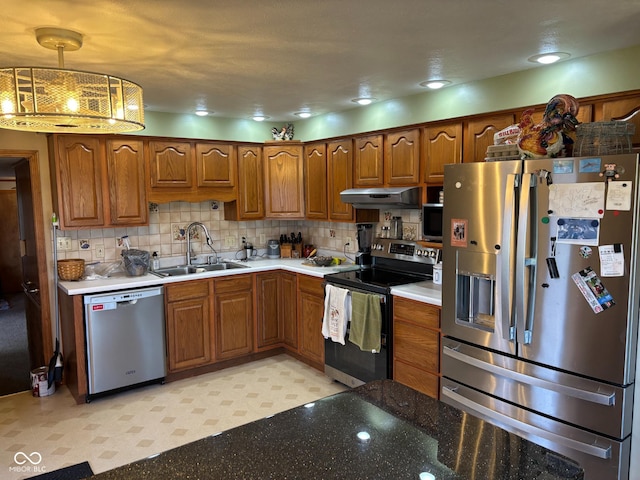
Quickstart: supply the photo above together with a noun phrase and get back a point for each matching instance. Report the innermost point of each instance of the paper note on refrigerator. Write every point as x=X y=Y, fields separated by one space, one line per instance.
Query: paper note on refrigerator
x=577 y=200
x=619 y=195
x=611 y=260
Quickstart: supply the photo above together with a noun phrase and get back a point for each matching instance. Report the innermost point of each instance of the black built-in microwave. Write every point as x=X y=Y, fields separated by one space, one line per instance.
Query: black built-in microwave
x=432 y=222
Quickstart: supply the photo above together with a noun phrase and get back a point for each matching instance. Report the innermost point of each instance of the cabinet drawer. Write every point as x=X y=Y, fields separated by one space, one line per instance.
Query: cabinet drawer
x=416 y=312
x=186 y=290
x=233 y=284
x=418 y=379
x=310 y=284
x=417 y=346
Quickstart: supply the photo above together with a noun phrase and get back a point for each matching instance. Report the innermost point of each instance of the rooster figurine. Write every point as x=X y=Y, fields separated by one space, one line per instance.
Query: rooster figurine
x=546 y=139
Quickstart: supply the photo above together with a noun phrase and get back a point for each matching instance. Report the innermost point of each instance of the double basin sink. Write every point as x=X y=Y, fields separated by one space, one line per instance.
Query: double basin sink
x=191 y=269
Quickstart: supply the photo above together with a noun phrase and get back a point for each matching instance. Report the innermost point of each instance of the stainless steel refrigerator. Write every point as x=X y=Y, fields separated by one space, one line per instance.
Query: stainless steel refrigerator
x=540 y=302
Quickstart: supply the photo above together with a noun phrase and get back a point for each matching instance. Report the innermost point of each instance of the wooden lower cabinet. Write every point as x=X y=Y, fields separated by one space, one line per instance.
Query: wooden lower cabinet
x=233 y=316
x=189 y=329
x=416 y=345
x=310 y=312
x=276 y=310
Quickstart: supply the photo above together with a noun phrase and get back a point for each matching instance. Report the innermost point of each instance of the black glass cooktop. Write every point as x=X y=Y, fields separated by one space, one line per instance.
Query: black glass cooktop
x=373 y=279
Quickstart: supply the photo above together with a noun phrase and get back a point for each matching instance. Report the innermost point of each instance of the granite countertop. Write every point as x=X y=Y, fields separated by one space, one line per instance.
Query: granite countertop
x=410 y=433
x=426 y=291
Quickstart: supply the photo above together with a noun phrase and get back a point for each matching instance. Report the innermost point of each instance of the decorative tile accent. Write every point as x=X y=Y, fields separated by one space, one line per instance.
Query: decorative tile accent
x=215 y=205
x=409 y=231
x=179 y=232
x=154 y=208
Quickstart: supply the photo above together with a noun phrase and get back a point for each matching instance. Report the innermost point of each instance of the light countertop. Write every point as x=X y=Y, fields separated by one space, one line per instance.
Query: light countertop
x=425 y=291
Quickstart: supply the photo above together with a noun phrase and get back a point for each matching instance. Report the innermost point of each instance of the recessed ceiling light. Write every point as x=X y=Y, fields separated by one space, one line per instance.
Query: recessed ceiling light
x=363 y=100
x=259 y=118
x=435 y=84
x=547 y=58
x=202 y=113
x=303 y=114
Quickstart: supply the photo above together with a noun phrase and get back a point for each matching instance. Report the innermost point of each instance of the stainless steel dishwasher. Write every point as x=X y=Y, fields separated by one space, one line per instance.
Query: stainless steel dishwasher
x=125 y=334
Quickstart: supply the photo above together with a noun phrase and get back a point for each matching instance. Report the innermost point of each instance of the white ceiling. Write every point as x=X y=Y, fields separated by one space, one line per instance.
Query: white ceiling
x=284 y=56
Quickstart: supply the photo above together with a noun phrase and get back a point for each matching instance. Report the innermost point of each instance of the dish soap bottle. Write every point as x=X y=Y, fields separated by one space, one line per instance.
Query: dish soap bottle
x=155 y=261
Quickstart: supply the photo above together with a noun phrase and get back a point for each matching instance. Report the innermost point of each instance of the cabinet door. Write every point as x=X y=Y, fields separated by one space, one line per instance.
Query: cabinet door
x=171 y=165
x=340 y=172
x=284 y=181
x=79 y=183
x=188 y=324
x=310 y=312
x=216 y=165
x=233 y=317
x=402 y=158
x=270 y=322
x=479 y=135
x=368 y=158
x=315 y=181
x=125 y=171
x=625 y=109
x=287 y=309
x=442 y=144
x=250 y=183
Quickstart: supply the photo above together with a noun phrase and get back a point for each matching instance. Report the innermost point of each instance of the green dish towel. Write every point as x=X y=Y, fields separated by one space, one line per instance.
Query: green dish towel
x=366 y=321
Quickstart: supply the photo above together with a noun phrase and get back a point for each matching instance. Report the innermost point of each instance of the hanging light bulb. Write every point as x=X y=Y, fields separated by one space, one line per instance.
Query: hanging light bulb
x=61 y=100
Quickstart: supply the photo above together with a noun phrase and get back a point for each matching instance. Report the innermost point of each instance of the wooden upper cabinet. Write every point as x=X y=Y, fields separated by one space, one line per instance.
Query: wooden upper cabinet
x=315 y=181
x=216 y=165
x=368 y=158
x=625 y=109
x=441 y=144
x=402 y=158
x=479 y=133
x=340 y=173
x=283 y=180
x=79 y=175
x=171 y=165
x=250 y=203
x=125 y=173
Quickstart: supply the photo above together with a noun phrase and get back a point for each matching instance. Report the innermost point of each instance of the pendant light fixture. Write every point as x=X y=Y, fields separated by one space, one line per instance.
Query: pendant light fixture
x=58 y=100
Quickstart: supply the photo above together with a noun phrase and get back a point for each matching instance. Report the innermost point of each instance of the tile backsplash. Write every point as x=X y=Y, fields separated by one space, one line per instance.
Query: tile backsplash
x=165 y=233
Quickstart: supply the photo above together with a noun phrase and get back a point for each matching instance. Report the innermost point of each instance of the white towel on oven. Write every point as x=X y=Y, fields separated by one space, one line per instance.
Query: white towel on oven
x=337 y=312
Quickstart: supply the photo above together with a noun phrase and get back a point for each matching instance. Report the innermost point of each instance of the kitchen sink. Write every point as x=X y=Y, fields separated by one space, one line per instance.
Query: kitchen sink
x=191 y=269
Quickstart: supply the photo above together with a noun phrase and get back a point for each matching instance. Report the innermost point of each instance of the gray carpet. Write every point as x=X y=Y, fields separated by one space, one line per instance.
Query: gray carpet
x=14 y=347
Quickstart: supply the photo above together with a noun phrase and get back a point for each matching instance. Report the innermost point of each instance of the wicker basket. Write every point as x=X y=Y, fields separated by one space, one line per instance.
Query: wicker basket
x=70 y=269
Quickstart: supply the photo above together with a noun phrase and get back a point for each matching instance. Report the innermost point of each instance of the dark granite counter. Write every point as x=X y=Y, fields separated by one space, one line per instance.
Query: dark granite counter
x=408 y=434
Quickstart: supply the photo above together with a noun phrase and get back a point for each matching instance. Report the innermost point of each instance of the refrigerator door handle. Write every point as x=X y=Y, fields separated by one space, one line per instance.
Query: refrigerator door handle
x=505 y=271
x=601 y=398
x=525 y=280
x=590 y=449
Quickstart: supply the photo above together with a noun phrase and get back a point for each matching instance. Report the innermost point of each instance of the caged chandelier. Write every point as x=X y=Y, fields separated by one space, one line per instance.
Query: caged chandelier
x=57 y=100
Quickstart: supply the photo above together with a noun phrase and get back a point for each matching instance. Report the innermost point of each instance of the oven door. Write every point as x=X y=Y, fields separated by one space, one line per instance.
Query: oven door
x=351 y=366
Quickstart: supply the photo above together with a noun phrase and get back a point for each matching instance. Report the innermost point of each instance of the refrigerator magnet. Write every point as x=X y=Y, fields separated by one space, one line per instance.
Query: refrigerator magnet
x=590 y=165
x=593 y=290
x=459 y=232
x=563 y=166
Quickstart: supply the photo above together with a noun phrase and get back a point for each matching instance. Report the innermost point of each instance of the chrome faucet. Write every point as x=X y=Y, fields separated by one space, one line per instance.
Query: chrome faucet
x=208 y=238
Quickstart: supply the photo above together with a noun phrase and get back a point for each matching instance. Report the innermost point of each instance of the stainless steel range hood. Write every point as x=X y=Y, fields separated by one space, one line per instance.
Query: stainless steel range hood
x=391 y=197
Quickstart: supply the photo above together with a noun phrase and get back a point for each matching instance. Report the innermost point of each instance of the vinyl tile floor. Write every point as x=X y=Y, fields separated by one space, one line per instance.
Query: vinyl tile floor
x=124 y=427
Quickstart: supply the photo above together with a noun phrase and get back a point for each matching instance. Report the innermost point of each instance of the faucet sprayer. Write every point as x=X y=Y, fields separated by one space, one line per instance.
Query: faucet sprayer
x=207 y=237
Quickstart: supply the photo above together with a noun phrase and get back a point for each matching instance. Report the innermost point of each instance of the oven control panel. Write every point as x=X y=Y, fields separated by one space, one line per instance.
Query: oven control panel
x=405 y=250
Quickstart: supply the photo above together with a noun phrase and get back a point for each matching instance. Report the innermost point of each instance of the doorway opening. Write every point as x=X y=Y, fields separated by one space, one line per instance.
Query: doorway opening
x=25 y=313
